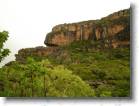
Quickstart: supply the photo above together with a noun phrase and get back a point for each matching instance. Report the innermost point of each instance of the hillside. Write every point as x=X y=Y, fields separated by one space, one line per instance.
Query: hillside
x=83 y=59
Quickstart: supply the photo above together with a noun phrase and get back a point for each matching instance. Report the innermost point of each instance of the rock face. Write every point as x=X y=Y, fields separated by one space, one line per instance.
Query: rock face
x=114 y=30
x=37 y=52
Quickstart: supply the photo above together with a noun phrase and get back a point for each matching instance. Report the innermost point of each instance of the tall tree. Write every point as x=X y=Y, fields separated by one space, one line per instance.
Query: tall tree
x=3 y=52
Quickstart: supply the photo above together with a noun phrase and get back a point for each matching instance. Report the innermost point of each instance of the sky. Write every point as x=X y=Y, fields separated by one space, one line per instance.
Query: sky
x=28 y=21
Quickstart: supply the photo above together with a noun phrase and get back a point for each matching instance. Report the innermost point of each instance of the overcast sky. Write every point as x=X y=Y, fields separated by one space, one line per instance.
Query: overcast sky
x=28 y=21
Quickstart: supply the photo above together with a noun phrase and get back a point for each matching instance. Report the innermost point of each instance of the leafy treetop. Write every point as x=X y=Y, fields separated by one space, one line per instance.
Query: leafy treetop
x=3 y=52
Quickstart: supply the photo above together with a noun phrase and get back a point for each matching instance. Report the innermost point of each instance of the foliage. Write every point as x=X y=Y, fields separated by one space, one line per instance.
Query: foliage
x=65 y=84
x=77 y=70
x=105 y=70
x=39 y=79
x=3 y=52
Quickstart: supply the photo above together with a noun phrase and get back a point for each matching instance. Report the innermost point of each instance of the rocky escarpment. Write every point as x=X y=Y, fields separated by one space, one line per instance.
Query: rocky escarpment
x=96 y=51
x=37 y=52
x=113 y=30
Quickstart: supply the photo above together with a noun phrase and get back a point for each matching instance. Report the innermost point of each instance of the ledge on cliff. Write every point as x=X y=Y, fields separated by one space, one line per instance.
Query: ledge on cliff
x=38 y=53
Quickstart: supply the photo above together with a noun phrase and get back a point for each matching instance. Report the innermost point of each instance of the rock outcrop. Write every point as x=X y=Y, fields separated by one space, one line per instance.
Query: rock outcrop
x=37 y=52
x=114 y=30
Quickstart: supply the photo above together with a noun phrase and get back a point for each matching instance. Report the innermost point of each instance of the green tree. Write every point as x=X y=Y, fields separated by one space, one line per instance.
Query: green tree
x=3 y=52
x=62 y=83
x=42 y=79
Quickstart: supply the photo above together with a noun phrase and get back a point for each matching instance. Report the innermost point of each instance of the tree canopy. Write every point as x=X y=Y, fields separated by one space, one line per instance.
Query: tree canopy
x=3 y=51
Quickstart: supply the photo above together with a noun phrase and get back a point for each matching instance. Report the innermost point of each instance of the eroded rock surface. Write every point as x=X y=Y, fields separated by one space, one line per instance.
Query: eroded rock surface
x=113 y=29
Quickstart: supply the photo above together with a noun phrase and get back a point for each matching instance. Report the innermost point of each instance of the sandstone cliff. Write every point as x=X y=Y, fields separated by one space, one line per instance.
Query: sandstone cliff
x=113 y=30
x=37 y=52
